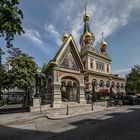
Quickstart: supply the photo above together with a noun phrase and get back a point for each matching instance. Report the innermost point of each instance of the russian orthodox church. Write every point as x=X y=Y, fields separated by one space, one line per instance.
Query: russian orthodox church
x=71 y=75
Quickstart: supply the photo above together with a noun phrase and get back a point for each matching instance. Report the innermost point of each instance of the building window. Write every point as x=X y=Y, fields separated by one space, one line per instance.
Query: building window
x=101 y=83
x=97 y=65
x=113 y=85
x=102 y=66
x=117 y=85
x=107 y=84
x=91 y=63
x=107 y=68
x=84 y=63
x=122 y=86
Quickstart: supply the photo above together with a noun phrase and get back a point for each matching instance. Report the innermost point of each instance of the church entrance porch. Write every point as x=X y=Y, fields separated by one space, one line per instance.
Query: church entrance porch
x=69 y=89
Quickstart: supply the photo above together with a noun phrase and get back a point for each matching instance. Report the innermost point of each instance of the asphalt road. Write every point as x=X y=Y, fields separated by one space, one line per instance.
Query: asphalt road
x=115 y=124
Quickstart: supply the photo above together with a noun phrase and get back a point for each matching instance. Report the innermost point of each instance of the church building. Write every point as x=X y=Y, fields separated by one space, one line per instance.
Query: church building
x=72 y=74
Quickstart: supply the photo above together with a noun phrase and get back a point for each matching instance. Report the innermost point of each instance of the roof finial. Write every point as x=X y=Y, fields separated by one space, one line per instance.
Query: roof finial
x=65 y=27
x=86 y=6
x=102 y=36
x=86 y=15
x=65 y=34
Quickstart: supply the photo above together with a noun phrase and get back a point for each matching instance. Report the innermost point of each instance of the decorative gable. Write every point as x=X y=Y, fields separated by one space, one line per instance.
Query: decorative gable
x=68 y=61
x=68 y=56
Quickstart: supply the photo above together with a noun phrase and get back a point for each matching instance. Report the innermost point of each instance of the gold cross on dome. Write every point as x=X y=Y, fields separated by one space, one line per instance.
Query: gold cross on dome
x=102 y=35
x=65 y=27
x=86 y=3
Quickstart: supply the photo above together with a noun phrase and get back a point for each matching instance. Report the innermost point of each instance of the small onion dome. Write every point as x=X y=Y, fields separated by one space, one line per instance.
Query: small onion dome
x=86 y=17
x=65 y=36
x=103 y=46
x=87 y=34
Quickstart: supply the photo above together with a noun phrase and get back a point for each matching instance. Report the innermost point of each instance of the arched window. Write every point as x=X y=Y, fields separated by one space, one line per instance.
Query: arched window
x=101 y=83
x=112 y=84
x=107 y=69
x=107 y=84
x=91 y=63
x=122 y=85
x=49 y=82
x=117 y=85
x=94 y=82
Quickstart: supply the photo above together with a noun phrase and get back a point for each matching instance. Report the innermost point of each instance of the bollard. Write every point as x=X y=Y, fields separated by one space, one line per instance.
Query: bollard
x=92 y=106
x=67 y=113
x=107 y=104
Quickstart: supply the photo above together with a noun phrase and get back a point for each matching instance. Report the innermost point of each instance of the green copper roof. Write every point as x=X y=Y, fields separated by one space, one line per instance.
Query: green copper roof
x=86 y=27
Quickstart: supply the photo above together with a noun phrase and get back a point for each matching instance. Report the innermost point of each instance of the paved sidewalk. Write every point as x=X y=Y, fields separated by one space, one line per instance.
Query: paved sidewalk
x=56 y=113
x=61 y=113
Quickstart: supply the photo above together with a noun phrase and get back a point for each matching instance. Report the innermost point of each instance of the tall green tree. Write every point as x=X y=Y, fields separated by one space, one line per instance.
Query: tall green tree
x=1 y=77
x=10 y=20
x=22 y=72
x=133 y=80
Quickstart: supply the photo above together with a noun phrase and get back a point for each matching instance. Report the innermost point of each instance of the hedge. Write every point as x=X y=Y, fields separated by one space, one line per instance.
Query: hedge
x=2 y=103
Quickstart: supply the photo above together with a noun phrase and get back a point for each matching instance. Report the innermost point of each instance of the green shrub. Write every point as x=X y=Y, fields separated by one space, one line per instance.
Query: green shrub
x=98 y=96
x=2 y=103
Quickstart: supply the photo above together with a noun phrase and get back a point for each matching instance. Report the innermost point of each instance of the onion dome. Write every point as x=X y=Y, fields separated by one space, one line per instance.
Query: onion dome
x=64 y=36
x=103 y=45
x=87 y=35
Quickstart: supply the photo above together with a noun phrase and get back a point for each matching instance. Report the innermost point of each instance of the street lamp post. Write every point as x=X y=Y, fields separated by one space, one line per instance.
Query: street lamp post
x=1 y=53
x=93 y=92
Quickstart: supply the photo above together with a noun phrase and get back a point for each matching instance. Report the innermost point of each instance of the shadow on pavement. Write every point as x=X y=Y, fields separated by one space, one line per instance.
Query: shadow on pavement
x=120 y=126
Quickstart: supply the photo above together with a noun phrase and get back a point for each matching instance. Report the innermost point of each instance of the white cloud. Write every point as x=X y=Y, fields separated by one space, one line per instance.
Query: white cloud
x=121 y=71
x=53 y=33
x=34 y=36
x=105 y=16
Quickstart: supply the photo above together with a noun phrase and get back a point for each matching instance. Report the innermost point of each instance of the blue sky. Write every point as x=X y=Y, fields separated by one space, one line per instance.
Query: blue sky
x=119 y=20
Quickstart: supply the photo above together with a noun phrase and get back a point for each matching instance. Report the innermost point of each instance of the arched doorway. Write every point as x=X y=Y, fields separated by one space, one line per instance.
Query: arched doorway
x=94 y=85
x=112 y=88
x=69 y=89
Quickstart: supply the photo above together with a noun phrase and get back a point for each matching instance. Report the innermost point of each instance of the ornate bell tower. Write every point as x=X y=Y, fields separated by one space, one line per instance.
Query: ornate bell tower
x=87 y=38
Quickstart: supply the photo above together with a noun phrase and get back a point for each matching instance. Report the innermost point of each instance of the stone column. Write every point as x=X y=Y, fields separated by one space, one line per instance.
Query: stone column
x=88 y=63
x=94 y=65
x=56 y=99
x=82 y=99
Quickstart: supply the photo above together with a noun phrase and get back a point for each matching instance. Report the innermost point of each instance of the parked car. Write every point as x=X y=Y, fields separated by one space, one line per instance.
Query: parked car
x=130 y=100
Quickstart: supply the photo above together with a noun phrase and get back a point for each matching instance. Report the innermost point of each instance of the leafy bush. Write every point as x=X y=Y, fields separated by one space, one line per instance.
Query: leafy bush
x=2 y=103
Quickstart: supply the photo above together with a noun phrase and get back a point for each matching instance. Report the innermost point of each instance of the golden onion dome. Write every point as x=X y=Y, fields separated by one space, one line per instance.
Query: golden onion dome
x=86 y=17
x=87 y=34
x=64 y=36
x=103 y=46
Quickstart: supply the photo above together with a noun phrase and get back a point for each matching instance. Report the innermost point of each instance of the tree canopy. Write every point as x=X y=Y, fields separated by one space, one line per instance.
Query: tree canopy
x=133 y=80
x=22 y=72
x=10 y=20
x=1 y=77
